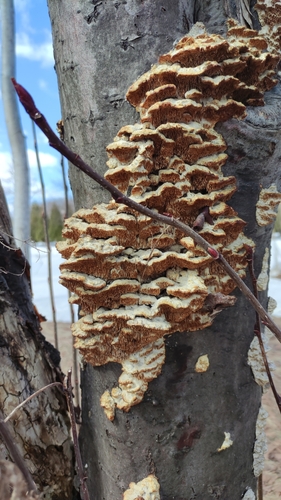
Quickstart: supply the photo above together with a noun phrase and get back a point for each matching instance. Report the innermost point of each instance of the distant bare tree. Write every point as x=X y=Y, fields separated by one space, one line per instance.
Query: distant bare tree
x=21 y=219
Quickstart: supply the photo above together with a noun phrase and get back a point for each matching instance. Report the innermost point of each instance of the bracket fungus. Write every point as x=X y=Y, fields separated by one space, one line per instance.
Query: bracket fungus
x=269 y=12
x=135 y=280
x=269 y=198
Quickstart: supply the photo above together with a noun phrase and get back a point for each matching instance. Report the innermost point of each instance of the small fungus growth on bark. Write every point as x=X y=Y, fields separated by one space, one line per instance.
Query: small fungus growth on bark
x=134 y=280
x=147 y=489
x=263 y=277
x=256 y=363
x=226 y=443
x=269 y=198
x=202 y=364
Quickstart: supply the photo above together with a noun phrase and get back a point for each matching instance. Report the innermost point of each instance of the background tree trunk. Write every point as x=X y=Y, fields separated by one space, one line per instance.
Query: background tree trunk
x=21 y=216
x=28 y=362
x=100 y=49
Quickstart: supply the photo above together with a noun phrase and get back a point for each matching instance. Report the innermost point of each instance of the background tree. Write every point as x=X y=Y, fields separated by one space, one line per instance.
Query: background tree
x=55 y=223
x=277 y=225
x=21 y=216
x=36 y=223
x=114 y=43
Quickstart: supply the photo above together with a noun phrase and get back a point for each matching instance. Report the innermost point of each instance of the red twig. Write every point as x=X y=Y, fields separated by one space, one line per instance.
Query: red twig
x=119 y=197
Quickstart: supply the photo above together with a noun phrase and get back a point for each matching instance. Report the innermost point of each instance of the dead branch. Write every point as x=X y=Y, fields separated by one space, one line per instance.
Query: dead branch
x=16 y=456
x=81 y=473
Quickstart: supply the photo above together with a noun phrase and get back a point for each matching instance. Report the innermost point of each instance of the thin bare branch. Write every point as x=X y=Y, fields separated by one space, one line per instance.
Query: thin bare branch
x=45 y=223
x=68 y=391
x=257 y=328
x=29 y=399
x=75 y=359
x=65 y=189
x=260 y=487
x=15 y=455
x=18 y=252
x=74 y=350
x=119 y=197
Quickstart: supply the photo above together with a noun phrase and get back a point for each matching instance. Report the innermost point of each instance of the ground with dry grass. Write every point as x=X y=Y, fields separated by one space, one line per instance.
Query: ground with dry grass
x=272 y=472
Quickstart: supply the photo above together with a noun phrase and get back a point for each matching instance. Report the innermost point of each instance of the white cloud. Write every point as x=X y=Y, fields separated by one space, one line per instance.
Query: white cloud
x=41 y=138
x=6 y=172
x=43 y=84
x=6 y=163
x=52 y=179
x=46 y=159
x=42 y=52
x=6 y=166
x=35 y=187
x=21 y=5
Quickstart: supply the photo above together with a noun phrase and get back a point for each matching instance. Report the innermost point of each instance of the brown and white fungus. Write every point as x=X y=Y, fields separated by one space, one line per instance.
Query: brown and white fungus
x=135 y=280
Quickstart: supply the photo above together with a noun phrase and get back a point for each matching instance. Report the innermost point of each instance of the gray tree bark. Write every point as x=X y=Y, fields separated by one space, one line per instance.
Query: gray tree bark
x=21 y=219
x=100 y=49
x=40 y=429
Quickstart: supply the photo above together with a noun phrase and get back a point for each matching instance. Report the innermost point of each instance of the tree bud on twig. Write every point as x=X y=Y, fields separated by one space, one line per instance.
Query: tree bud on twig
x=26 y=99
x=201 y=218
x=214 y=253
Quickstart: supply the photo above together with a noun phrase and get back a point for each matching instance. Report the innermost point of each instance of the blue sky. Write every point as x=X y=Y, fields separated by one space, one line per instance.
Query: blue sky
x=35 y=71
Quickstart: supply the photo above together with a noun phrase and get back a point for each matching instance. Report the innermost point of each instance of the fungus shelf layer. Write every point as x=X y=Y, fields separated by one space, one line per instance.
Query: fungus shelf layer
x=135 y=280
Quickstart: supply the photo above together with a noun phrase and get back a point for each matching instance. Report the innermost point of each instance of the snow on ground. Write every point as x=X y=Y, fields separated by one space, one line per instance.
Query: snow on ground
x=274 y=289
x=40 y=285
x=39 y=276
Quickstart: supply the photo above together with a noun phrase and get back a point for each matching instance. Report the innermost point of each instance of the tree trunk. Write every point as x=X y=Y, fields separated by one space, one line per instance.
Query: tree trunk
x=40 y=429
x=176 y=432
x=21 y=214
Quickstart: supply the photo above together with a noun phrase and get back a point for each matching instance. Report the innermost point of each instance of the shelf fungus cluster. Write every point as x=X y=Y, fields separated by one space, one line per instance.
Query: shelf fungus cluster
x=135 y=280
x=269 y=12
